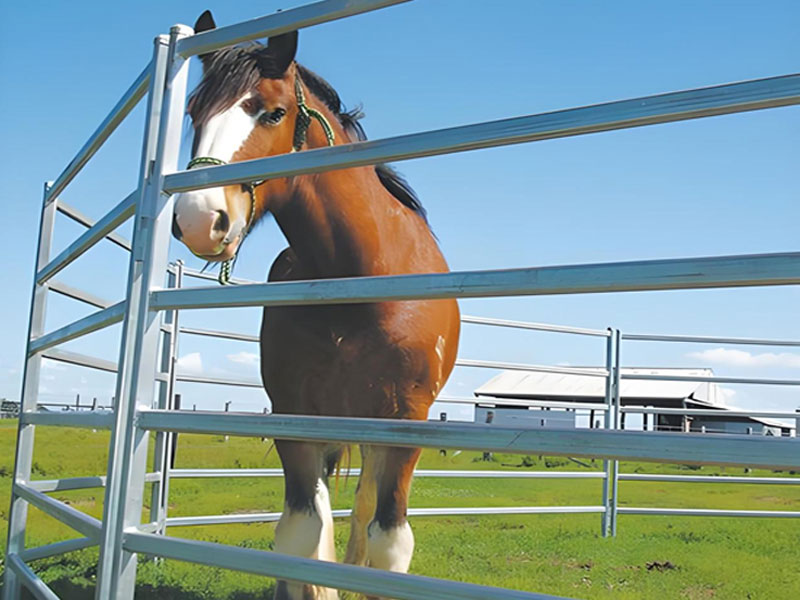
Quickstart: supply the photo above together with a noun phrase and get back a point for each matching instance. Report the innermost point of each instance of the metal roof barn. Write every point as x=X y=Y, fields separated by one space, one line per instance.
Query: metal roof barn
x=538 y=386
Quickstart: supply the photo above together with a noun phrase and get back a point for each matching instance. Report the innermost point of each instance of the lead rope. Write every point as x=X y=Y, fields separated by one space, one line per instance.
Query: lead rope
x=304 y=116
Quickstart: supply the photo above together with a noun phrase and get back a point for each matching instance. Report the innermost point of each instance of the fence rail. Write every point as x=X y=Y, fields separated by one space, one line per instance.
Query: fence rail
x=648 y=110
x=346 y=577
x=707 y=339
x=535 y=326
x=77 y=216
x=77 y=294
x=121 y=110
x=278 y=23
x=705 y=412
x=113 y=219
x=88 y=324
x=481 y=474
x=652 y=275
x=769 y=453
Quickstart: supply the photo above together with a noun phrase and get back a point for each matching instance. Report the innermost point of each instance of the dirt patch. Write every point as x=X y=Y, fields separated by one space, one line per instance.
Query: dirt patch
x=573 y=563
x=776 y=500
x=660 y=566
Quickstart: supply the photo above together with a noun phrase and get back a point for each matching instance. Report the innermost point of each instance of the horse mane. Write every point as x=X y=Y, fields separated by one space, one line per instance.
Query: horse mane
x=231 y=72
x=388 y=176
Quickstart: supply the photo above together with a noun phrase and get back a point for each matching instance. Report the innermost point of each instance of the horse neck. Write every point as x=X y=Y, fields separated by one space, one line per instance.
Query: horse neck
x=345 y=223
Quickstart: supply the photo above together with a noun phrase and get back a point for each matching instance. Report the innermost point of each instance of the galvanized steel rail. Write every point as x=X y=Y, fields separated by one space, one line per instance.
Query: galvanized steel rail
x=648 y=110
x=649 y=275
x=768 y=453
x=121 y=110
x=118 y=215
x=347 y=577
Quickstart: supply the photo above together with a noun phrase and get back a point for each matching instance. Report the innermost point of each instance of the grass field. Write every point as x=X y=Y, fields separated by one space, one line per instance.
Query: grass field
x=652 y=556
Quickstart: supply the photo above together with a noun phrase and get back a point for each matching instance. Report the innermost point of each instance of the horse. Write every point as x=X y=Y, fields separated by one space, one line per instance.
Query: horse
x=378 y=360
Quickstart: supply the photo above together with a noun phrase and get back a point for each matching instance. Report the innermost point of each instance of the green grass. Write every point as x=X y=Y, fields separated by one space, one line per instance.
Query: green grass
x=557 y=554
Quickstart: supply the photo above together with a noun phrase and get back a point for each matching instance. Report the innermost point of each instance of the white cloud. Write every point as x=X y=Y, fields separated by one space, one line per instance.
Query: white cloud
x=740 y=358
x=727 y=393
x=53 y=365
x=244 y=358
x=190 y=363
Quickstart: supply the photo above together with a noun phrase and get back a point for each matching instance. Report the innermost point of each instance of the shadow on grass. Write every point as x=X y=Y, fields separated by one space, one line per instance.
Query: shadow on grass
x=69 y=590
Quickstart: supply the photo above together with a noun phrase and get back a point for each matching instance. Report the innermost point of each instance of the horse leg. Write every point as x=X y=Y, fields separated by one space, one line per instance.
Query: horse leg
x=363 y=507
x=390 y=542
x=306 y=525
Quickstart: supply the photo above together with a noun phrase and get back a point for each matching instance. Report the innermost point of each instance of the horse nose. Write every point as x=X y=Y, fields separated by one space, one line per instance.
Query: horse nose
x=176 y=230
x=202 y=222
x=222 y=223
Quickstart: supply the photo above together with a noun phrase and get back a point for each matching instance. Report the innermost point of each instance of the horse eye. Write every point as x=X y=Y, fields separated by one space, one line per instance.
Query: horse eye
x=273 y=117
x=252 y=105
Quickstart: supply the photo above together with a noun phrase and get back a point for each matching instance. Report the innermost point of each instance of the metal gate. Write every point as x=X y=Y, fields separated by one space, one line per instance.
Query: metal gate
x=147 y=308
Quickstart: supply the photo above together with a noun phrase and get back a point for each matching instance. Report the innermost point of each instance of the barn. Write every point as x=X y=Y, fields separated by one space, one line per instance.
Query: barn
x=521 y=397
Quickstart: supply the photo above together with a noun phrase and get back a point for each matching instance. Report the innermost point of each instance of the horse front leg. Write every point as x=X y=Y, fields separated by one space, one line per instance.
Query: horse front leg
x=363 y=507
x=390 y=542
x=306 y=525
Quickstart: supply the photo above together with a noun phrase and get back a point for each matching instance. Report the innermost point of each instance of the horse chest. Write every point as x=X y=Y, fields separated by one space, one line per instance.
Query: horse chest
x=315 y=362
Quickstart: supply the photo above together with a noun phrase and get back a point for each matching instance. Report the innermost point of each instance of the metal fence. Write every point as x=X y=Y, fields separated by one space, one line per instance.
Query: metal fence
x=609 y=506
x=148 y=317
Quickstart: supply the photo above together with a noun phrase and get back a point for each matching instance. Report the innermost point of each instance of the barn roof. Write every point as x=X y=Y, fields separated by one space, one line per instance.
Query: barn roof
x=585 y=388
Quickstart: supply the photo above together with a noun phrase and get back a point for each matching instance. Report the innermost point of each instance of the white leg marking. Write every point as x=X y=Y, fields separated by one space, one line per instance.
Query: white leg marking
x=392 y=549
x=298 y=533
x=322 y=502
x=310 y=535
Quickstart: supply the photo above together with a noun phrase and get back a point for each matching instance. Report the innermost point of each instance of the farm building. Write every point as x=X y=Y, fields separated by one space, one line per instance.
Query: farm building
x=9 y=409
x=508 y=396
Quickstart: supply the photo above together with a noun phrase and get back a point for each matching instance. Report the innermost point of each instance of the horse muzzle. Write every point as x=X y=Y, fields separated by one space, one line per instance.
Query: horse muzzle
x=205 y=227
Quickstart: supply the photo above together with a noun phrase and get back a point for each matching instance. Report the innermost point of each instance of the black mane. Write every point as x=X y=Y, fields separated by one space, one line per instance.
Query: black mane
x=230 y=73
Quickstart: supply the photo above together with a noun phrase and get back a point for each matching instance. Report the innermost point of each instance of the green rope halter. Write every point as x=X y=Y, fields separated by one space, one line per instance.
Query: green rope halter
x=305 y=114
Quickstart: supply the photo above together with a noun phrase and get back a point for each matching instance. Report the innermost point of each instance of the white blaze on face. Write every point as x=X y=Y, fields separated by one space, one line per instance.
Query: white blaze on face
x=196 y=212
x=224 y=133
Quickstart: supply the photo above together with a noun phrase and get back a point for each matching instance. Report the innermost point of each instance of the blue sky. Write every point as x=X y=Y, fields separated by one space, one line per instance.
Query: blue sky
x=724 y=185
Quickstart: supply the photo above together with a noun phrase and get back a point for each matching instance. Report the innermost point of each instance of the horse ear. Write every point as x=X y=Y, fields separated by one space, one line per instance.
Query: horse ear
x=275 y=59
x=205 y=22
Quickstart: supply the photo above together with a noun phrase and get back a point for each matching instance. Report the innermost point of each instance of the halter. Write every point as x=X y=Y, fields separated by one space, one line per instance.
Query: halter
x=302 y=122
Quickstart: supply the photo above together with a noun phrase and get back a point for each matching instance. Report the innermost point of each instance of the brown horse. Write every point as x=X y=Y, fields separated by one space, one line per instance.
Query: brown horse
x=367 y=360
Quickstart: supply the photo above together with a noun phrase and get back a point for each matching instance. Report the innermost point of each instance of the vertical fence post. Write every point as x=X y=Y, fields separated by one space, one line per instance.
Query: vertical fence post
x=797 y=424
x=166 y=400
x=127 y=460
x=605 y=522
x=617 y=422
x=29 y=397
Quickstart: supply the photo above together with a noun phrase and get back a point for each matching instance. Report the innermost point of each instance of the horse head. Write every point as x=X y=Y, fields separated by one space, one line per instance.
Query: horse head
x=245 y=107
